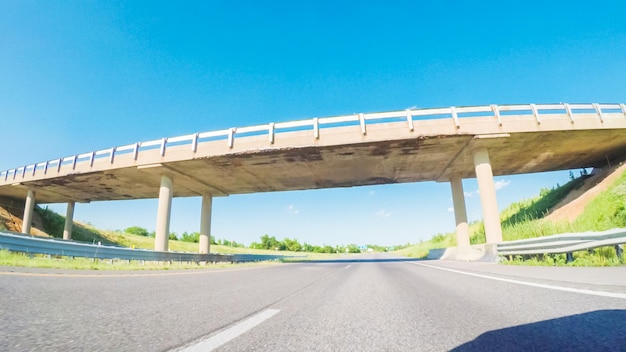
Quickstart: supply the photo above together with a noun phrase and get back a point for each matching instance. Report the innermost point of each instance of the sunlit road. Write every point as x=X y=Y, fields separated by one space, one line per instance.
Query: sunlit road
x=372 y=305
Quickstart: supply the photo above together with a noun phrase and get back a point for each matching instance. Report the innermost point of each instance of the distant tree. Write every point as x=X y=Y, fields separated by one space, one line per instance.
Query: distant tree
x=136 y=230
x=255 y=245
x=353 y=248
x=328 y=249
x=268 y=242
x=173 y=236
x=308 y=248
x=292 y=245
x=190 y=237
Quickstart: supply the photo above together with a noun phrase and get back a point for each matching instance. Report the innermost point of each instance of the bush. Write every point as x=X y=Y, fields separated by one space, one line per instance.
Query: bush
x=190 y=237
x=136 y=230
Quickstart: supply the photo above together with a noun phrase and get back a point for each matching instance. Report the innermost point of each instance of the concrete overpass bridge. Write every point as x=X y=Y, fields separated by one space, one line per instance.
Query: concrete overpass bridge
x=441 y=144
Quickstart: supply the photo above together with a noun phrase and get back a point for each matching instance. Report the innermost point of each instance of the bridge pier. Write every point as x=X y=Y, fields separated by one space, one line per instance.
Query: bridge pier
x=460 y=212
x=163 y=214
x=486 y=186
x=29 y=208
x=205 y=224
x=69 y=221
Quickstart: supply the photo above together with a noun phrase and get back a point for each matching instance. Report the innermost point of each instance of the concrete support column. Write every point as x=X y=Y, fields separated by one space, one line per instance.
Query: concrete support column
x=487 y=188
x=28 y=212
x=69 y=221
x=460 y=212
x=205 y=223
x=163 y=214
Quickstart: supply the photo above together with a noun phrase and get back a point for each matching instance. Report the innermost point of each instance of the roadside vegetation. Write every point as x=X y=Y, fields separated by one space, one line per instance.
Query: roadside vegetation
x=12 y=259
x=141 y=238
x=520 y=220
x=525 y=219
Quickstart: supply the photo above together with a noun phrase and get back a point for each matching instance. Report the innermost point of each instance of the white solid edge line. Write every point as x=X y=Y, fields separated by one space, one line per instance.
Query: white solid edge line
x=215 y=341
x=551 y=287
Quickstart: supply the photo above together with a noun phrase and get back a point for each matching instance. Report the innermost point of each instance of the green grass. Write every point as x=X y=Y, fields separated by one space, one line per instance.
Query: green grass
x=421 y=249
x=537 y=207
x=605 y=256
x=523 y=219
x=54 y=224
x=14 y=259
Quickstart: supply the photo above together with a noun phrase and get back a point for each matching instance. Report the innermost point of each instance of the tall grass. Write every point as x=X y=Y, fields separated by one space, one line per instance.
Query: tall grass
x=524 y=219
x=52 y=262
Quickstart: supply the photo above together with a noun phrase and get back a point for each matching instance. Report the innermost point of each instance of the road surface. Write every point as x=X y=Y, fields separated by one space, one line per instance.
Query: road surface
x=370 y=304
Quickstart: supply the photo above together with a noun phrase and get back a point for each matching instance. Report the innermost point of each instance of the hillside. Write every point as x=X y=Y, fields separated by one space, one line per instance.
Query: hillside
x=592 y=202
x=11 y=214
x=565 y=205
x=573 y=205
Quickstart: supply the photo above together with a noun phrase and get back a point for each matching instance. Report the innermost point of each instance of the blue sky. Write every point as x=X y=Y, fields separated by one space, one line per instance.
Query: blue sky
x=77 y=76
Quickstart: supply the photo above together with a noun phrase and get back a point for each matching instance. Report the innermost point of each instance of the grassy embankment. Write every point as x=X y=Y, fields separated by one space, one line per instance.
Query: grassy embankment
x=524 y=219
x=54 y=224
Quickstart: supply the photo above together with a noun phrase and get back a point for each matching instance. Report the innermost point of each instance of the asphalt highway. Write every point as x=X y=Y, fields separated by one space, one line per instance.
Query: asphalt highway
x=365 y=303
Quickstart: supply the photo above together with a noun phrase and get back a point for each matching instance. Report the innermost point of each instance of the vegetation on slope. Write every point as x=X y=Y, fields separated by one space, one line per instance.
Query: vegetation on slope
x=524 y=219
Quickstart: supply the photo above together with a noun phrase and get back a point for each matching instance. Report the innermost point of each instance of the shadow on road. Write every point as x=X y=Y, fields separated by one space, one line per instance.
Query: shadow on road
x=602 y=330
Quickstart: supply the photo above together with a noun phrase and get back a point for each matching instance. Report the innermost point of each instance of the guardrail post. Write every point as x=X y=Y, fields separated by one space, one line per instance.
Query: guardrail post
x=163 y=214
x=205 y=223
x=460 y=212
x=486 y=186
x=69 y=221
x=28 y=212
x=569 y=257
x=619 y=251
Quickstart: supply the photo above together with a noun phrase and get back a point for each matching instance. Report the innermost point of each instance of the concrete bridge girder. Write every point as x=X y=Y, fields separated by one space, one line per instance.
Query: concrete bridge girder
x=440 y=149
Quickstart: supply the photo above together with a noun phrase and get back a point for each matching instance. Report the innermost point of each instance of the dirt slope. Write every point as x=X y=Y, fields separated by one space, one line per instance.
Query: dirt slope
x=12 y=211
x=11 y=214
x=575 y=202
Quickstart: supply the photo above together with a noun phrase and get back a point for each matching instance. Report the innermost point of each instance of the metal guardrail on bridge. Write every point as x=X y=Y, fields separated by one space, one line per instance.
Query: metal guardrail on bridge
x=565 y=243
x=50 y=246
x=498 y=112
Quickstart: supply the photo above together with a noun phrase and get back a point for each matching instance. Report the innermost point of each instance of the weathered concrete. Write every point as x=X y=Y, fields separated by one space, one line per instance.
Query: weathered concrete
x=442 y=149
x=341 y=157
x=460 y=212
x=205 y=224
x=29 y=208
x=473 y=253
x=488 y=201
x=69 y=221
x=164 y=214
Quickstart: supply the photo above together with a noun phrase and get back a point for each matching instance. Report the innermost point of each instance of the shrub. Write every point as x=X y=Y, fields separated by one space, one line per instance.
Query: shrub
x=136 y=230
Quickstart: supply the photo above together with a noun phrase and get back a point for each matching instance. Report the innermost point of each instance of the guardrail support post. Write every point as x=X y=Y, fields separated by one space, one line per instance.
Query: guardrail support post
x=486 y=186
x=460 y=212
x=569 y=257
x=619 y=251
x=163 y=214
x=28 y=212
x=69 y=221
x=205 y=223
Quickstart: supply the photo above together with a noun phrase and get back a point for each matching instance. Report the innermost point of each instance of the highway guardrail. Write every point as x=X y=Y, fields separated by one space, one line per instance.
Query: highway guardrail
x=51 y=246
x=567 y=243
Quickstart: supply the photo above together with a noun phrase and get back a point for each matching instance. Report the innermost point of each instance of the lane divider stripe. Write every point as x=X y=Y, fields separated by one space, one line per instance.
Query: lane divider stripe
x=232 y=332
x=550 y=287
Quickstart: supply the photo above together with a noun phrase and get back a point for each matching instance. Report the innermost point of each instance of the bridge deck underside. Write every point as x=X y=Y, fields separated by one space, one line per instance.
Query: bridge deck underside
x=342 y=159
